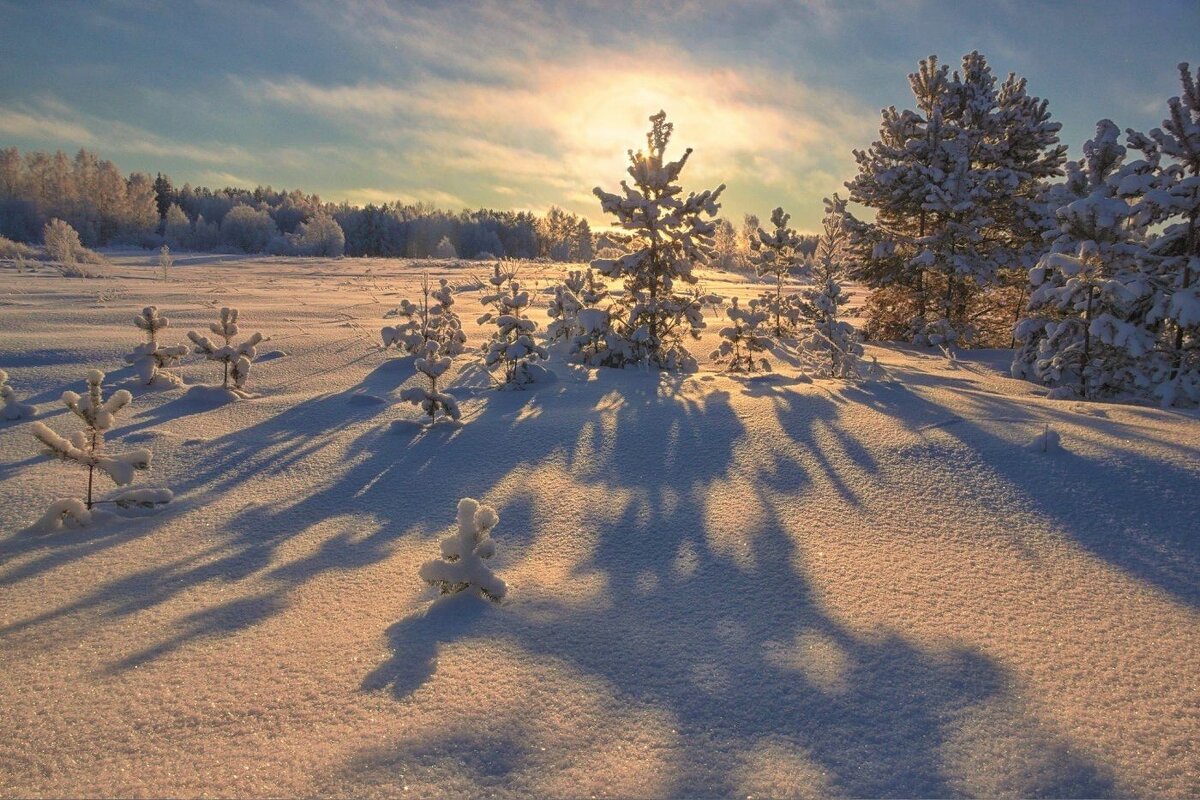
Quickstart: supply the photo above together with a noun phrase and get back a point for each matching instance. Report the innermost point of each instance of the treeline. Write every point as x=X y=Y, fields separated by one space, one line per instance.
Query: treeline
x=107 y=207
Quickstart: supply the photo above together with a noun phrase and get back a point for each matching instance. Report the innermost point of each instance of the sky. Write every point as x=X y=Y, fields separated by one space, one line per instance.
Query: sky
x=516 y=105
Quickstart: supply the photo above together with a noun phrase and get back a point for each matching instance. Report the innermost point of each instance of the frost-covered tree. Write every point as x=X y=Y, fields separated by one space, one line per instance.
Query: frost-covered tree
x=10 y=406
x=832 y=346
x=178 y=228
x=86 y=448
x=954 y=186
x=745 y=337
x=151 y=359
x=432 y=364
x=62 y=242
x=461 y=566
x=248 y=229
x=512 y=347
x=431 y=319
x=777 y=253
x=235 y=357
x=580 y=289
x=1164 y=192
x=1084 y=332
x=319 y=236
x=445 y=249
x=667 y=236
x=165 y=262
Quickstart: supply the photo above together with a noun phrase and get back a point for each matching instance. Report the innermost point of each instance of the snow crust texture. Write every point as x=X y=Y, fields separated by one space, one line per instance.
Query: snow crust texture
x=715 y=585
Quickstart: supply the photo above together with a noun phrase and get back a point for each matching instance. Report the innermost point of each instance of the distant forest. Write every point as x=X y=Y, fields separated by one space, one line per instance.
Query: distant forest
x=107 y=208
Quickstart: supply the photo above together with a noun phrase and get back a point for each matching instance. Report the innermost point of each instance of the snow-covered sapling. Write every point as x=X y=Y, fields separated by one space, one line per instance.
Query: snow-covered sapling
x=668 y=234
x=165 y=262
x=432 y=365
x=152 y=359
x=10 y=406
x=430 y=319
x=86 y=448
x=461 y=566
x=778 y=254
x=512 y=347
x=744 y=338
x=833 y=347
x=236 y=358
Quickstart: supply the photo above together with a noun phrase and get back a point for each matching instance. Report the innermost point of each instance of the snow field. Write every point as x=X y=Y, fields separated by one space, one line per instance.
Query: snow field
x=716 y=585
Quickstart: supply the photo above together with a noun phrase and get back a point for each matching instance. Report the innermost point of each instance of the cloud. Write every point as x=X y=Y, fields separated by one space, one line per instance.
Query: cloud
x=51 y=120
x=437 y=197
x=551 y=132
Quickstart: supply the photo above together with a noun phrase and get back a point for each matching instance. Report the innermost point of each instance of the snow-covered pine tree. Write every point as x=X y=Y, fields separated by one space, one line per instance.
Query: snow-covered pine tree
x=1164 y=190
x=953 y=184
x=512 y=347
x=165 y=262
x=745 y=337
x=461 y=566
x=777 y=253
x=236 y=358
x=10 y=406
x=832 y=346
x=87 y=449
x=668 y=235
x=151 y=359
x=432 y=364
x=1084 y=332
x=431 y=319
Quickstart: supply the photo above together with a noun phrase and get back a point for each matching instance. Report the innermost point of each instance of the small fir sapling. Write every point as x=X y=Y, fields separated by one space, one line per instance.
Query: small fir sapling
x=10 y=406
x=151 y=359
x=461 y=566
x=744 y=338
x=512 y=347
x=576 y=316
x=165 y=262
x=431 y=319
x=666 y=235
x=778 y=254
x=86 y=448
x=432 y=365
x=236 y=358
x=833 y=347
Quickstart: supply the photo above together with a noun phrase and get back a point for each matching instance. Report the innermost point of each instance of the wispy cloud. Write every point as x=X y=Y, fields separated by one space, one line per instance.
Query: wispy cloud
x=51 y=120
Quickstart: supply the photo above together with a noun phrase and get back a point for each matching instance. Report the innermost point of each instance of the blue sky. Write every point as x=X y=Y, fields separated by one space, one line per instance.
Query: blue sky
x=514 y=105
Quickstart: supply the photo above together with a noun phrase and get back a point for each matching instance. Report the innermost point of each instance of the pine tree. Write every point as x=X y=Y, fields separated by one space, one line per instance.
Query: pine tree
x=745 y=337
x=164 y=195
x=833 y=346
x=461 y=566
x=668 y=236
x=236 y=358
x=778 y=254
x=151 y=359
x=431 y=319
x=1164 y=190
x=10 y=406
x=87 y=449
x=954 y=185
x=432 y=365
x=1084 y=332
x=512 y=346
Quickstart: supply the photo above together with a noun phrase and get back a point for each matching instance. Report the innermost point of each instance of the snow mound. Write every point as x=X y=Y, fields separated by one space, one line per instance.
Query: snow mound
x=1048 y=441
x=365 y=399
x=272 y=355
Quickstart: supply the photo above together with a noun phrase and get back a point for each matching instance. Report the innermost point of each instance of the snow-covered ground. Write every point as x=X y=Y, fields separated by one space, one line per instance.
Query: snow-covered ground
x=717 y=585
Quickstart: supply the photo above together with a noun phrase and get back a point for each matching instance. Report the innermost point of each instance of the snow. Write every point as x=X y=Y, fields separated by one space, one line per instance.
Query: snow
x=714 y=586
